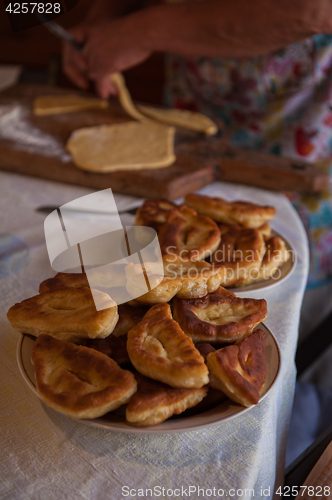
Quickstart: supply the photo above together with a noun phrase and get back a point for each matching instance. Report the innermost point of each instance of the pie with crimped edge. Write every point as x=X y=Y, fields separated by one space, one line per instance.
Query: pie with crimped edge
x=276 y=254
x=66 y=314
x=159 y=349
x=154 y=213
x=231 y=212
x=219 y=317
x=188 y=236
x=78 y=381
x=190 y=279
x=241 y=251
x=154 y=402
x=64 y=280
x=239 y=370
x=76 y=280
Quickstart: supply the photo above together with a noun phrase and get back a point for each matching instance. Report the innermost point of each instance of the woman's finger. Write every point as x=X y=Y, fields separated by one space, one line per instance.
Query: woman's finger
x=105 y=87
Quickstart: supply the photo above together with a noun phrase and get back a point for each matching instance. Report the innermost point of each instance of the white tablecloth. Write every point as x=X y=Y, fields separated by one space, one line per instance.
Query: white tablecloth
x=45 y=455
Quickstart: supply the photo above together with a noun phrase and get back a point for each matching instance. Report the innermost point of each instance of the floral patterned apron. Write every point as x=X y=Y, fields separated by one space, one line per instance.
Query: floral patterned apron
x=279 y=103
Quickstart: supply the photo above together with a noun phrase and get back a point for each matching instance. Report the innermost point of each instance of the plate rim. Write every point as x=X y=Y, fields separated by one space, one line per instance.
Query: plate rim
x=126 y=428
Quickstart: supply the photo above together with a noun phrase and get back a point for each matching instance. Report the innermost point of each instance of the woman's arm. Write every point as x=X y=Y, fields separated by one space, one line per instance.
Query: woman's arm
x=211 y=28
x=232 y=28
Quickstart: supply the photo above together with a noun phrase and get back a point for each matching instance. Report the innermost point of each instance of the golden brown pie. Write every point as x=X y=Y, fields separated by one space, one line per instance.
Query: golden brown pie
x=188 y=236
x=64 y=280
x=77 y=381
x=154 y=402
x=159 y=349
x=66 y=314
x=237 y=212
x=154 y=213
x=241 y=251
x=239 y=370
x=74 y=280
x=187 y=280
x=219 y=317
x=276 y=254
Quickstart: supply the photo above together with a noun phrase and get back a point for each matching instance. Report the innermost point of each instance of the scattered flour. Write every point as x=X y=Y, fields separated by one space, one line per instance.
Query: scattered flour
x=15 y=127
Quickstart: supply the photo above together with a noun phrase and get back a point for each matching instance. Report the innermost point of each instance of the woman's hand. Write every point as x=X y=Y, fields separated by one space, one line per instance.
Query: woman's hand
x=114 y=46
x=74 y=62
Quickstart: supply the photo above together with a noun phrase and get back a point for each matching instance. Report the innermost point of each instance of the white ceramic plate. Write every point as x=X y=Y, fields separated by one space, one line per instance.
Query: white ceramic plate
x=222 y=412
x=285 y=271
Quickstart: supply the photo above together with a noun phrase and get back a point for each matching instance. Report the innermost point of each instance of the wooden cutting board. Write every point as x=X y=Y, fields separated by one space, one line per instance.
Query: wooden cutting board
x=35 y=145
x=25 y=156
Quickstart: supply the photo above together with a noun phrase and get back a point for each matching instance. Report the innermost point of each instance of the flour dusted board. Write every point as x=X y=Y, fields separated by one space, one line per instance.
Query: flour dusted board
x=35 y=145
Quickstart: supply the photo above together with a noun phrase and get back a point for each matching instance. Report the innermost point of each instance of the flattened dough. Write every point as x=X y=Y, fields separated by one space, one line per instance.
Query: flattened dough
x=125 y=146
x=181 y=118
x=57 y=104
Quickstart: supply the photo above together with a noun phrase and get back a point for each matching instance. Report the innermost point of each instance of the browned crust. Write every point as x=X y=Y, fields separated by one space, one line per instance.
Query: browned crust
x=275 y=251
x=64 y=280
x=78 y=381
x=154 y=402
x=239 y=370
x=276 y=254
x=241 y=251
x=229 y=233
x=76 y=280
x=239 y=245
x=154 y=213
x=67 y=314
x=237 y=212
x=159 y=349
x=187 y=313
x=189 y=280
x=188 y=235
